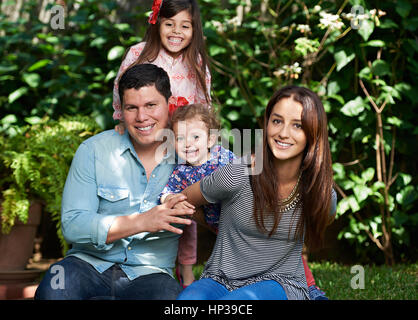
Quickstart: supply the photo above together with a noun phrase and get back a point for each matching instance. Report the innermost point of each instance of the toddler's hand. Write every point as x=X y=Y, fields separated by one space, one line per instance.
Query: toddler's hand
x=183 y=205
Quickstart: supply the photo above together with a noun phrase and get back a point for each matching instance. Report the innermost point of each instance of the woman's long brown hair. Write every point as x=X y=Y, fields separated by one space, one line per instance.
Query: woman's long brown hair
x=195 y=54
x=316 y=181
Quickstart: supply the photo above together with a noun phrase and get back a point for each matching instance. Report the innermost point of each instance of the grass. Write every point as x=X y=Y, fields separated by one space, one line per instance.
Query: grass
x=399 y=282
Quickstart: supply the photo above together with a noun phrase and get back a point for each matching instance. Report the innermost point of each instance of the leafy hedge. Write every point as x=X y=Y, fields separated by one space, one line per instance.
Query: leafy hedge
x=359 y=56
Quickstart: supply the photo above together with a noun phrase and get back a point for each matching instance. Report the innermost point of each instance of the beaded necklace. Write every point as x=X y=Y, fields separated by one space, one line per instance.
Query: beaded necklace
x=292 y=200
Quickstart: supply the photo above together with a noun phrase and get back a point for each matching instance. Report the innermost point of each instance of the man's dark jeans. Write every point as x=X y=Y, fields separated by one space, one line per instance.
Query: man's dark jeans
x=80 y=281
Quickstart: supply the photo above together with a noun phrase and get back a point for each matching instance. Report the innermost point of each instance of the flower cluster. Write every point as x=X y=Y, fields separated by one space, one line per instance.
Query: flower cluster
x=329 y=20
x=291 y=71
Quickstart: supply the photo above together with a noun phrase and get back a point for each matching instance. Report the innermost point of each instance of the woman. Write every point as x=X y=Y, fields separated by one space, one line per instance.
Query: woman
x=266 y=218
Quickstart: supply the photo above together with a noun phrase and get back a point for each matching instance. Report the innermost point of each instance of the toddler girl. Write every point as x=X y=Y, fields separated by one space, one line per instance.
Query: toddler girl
x=199 y=157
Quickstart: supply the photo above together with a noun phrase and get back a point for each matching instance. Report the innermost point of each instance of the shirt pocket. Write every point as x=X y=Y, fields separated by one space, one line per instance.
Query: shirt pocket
x=113 y=200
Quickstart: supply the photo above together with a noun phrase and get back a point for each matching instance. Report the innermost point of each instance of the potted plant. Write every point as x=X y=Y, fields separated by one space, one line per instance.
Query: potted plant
x=34 y=163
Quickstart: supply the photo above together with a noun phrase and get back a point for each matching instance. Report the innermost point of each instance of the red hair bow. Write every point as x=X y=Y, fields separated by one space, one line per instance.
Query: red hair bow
x=156 y=6
x=180 y=101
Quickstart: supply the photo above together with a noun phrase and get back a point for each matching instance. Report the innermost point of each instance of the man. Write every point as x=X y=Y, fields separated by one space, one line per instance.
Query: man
x=124 y=244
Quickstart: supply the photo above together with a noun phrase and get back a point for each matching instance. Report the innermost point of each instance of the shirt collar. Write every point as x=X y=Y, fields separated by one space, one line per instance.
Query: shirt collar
x=165 y=55
x=126 y=144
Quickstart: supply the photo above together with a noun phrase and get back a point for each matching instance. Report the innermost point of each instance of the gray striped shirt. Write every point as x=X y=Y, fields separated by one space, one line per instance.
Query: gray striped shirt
x=242 y=254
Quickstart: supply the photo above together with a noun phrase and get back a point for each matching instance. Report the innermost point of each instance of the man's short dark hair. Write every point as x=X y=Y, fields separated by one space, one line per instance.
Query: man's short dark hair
x=144 y=75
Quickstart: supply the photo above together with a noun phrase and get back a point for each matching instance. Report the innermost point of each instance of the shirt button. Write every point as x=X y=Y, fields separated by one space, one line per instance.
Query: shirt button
x=153 y=175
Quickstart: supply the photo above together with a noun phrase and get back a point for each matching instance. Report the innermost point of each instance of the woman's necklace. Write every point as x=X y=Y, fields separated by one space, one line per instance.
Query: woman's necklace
x=292 y=200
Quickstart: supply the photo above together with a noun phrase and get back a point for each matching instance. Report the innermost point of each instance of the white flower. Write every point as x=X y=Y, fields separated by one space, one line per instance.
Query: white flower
x=291 y=71
x=317 y=8
x=218 y=25
x=303 y=28
x=332 y=21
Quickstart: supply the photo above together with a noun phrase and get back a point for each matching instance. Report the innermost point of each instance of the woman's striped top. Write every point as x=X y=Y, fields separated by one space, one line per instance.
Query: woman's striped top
x=242 y=254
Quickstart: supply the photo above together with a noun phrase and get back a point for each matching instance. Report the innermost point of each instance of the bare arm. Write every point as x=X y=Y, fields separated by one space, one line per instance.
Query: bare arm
x=158 y=218
x=194 y=195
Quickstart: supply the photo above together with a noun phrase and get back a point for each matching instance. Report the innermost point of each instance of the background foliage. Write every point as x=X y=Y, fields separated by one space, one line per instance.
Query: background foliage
x=358 y=62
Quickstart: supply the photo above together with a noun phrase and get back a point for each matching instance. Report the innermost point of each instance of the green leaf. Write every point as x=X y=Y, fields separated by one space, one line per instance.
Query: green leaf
x=353 y=204
x=339 y=171
x=403 y=8
x=366 y=29
x=33 y=120
x=98 y=42
x=406 y=178
x=17 y=94
x=124 y=27
x=388 y=24
x=215 y=50
x=380 y=68
x=378 y=185
x=7 y=69
x=111 y=74
x=361 y=192
x=365 y=73
x=374 y=43
x=353 y=108
x=32 y=79
x=342 y=58
x=375 y=231
x=333 y=88
x=40 y=64
x=395 y=121
x=406 y=196
x=115 y=53
x=9 y=119
x=342 y=206
x=233 y=115
x=368 y=174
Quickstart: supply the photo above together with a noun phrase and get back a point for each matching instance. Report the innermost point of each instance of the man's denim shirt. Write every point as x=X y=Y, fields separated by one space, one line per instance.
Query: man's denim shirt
x=106 y=180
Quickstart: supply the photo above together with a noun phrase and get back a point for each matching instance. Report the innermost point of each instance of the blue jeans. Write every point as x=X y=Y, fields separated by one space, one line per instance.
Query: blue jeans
x=208 y=289
x=81 y=281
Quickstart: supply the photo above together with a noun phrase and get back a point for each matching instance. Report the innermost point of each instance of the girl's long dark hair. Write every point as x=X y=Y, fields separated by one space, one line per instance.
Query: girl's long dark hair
x=195 y=54
x=317 y=179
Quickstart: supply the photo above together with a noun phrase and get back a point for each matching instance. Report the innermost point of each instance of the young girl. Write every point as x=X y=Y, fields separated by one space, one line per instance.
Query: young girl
x=174 y=41
x=195 y=145
x=266 y=218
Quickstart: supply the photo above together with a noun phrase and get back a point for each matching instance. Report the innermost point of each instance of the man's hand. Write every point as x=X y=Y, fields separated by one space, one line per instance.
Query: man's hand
x=158 y=218
x=161 y=217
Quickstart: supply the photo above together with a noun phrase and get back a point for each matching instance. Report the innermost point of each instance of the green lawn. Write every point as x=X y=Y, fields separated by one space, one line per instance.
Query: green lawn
x=399 y=282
